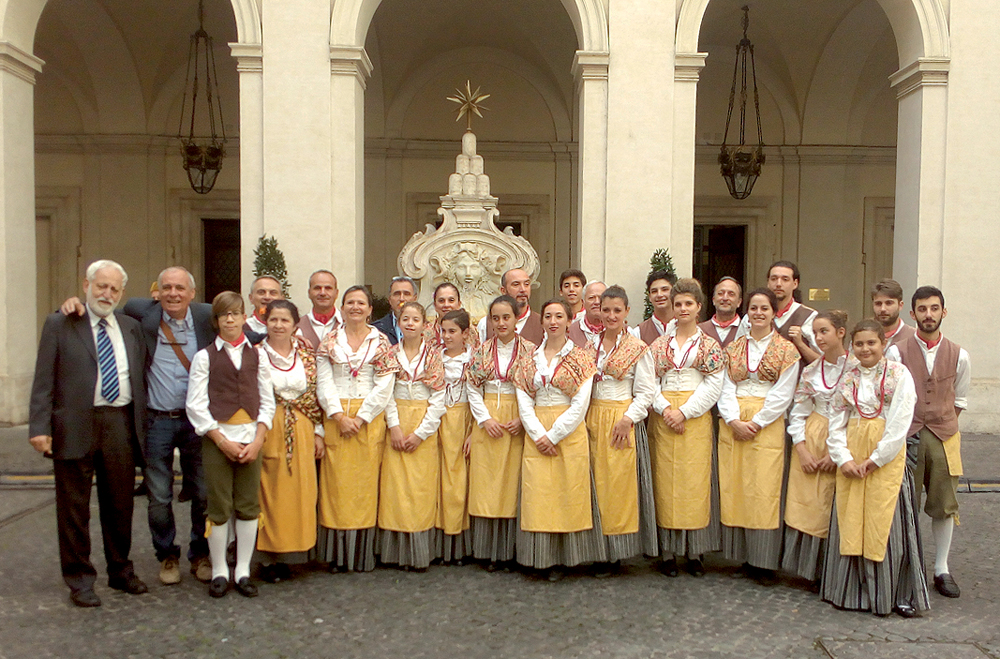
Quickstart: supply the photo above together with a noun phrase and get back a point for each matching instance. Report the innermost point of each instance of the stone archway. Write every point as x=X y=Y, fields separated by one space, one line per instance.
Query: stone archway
x=923 y=43
x=18 y=70
x=350 y=67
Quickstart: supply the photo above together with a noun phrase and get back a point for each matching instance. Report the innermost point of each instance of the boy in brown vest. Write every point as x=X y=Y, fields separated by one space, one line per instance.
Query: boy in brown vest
x=940 y=370
x=658 y=287
x=230 y=403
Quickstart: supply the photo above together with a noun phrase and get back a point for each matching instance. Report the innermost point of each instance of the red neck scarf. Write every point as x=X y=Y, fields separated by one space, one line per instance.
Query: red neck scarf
x=324 y=318
x=785 y=310
x=930 y=345
x=594 y=329
x=724 y=325
x=236 y=344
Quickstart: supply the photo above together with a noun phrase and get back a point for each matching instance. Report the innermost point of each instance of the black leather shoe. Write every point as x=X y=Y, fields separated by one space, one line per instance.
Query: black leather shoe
x=85 y=598
x=491 y=566
x=219 y=587
x=130 y=584
x=695 y=568
x=945 y=584
x=246 y=588
x=555 y=574
x=905 y=611
x=669 y=568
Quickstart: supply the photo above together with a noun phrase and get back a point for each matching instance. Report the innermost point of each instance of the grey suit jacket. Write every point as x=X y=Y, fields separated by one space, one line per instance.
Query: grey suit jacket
x=62 y=394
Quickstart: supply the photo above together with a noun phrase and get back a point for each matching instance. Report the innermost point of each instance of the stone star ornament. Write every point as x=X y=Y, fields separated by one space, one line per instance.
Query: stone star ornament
x=469 y=102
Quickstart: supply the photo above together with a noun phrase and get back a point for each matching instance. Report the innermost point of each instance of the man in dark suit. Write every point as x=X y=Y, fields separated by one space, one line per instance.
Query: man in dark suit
x=401 y=291
x=87 y=413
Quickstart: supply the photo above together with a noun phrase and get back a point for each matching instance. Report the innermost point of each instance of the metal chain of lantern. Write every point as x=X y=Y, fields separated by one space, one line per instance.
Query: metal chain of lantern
x=202 y=156
x=741 y=164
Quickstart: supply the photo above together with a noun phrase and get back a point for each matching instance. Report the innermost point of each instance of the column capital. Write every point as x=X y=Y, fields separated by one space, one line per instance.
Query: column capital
x=924 y=72
x=351 y=61
x=688 y=66
x=591 y=65
x=249 y=57
x=23 y=65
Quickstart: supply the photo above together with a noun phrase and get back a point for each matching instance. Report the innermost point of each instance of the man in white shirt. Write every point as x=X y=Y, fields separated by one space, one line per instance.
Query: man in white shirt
x=586 y=331
x=726 y=298
x=887 y=302
x=792 y=319
x=517 y=284
x=263 y=290
x=324 y=316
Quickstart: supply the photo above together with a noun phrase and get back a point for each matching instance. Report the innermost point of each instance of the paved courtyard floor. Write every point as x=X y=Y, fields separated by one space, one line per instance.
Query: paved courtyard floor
x=465 y=612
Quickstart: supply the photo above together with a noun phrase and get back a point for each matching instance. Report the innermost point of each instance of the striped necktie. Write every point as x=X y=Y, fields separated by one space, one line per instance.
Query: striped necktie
x=106 y=362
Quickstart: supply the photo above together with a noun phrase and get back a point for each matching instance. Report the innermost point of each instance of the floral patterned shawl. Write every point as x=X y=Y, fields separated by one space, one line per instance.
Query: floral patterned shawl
x=431 y=372
x=306 y=404
x=709 y=359
x=575 y=368
x=481 y=367
x=380 y=361
x=780 y=354
x=623 y=356
x=893 y=372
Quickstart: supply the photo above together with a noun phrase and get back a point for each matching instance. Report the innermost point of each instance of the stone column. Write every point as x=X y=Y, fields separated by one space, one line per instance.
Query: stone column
x=921 y=88
x=297 y=139
x=18 y=338
x=249 y=64
x=349 y=69
x=590 y=69
x=687 y=69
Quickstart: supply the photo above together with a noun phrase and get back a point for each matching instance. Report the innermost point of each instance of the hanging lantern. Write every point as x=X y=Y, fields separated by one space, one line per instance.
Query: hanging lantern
x=202 y=155
x=741 y=164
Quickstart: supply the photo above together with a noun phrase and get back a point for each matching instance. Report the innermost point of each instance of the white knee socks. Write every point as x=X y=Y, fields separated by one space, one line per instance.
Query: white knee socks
x=246 y=541
x=942 y=529
x=217 y=542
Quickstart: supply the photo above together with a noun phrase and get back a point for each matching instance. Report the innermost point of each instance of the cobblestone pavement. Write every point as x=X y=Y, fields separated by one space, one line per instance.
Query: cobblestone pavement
x=466 y=612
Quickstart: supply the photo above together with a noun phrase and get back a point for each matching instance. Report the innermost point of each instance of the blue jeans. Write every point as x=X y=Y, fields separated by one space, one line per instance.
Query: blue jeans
x=165 y=434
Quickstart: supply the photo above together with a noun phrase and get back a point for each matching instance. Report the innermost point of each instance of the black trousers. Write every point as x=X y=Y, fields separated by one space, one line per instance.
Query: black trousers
x=113 y=463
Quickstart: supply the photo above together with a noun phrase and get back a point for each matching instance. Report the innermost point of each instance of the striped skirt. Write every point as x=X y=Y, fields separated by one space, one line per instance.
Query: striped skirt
x=348 y=550
x=803 y=554
x=493 y=538
x=679 y=542
x=450 y=548
x=407 y=549
x=858 y=584
x=545 y=550
x=620 y=547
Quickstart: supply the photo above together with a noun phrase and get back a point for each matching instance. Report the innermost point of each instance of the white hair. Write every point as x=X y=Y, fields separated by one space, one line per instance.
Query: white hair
x=101 y=264
x=159 y=277
x=593 y=282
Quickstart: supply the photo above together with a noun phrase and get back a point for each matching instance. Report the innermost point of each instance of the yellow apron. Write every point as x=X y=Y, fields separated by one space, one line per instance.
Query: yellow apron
x=682 y=468
x=750 y=472
x=810 y=496
x=409 y=486
x=495 y=464
x=555 y=491
x=953 y=452
x=348 y=484
x=616 y=478
x=866 y=506
x=453 y=495
x=288 y=498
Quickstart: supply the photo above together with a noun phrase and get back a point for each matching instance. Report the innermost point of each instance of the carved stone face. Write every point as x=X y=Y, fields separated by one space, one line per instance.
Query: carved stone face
x=468 y=270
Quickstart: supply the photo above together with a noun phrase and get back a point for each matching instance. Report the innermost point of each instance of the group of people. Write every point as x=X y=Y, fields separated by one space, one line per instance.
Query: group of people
x=545 y=440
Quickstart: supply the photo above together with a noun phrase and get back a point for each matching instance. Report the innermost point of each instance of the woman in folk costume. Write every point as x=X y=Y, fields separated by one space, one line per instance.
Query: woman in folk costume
x=408 y=492
x=873 y=560
x=560 y=522
x=688 y=367
x=230 y=403
x=355 y=377
x=496 y=440
x=812 y=473
x=759 y=386
x=452 y=534
x=446 y=299
x=619 y=451
x=288 y=488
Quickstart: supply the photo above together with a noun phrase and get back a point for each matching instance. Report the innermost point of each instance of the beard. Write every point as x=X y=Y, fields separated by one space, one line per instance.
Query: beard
x=890 y=322
x=101 y=307
x=930 y=325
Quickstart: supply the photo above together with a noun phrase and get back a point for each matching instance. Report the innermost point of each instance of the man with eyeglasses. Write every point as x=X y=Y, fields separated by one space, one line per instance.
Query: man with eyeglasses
x=401 y=291
x=175 y=328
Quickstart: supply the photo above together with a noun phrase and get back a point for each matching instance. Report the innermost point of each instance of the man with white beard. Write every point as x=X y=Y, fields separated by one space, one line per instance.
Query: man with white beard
x=87 y=413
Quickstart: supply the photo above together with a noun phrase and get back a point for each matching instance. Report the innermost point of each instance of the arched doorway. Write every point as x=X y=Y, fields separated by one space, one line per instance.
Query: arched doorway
x=837 y=113
x=561 y=86
x=121 y=105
